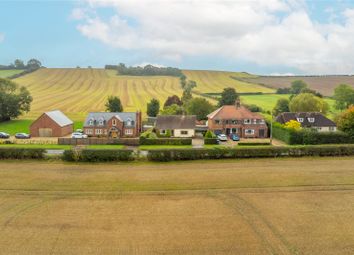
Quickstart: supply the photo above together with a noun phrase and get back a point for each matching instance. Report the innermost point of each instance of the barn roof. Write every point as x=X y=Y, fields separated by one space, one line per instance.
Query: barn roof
x=60 y=118
x=319 y=120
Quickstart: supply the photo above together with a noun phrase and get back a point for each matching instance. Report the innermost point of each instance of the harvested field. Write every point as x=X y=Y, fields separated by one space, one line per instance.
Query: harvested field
x=323 y=84
x=273 y=206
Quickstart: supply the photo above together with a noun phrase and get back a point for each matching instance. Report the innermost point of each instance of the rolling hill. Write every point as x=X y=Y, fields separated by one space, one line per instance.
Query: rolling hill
x=77 y=91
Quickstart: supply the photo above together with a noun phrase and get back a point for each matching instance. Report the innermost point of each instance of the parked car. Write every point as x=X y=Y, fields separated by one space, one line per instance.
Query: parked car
x=22 y=136
x=78 y=135
x=234 y=137
x=79 y=131
x=4 y=135
x=222 y=138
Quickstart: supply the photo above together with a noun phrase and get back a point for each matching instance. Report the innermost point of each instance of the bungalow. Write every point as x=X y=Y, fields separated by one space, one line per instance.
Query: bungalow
x=179 y=125
x=313 y=120
x=113 y=124
x=52 y=124
x=239 y=120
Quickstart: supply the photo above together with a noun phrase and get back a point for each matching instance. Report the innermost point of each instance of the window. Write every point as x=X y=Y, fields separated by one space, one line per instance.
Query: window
x=98 y=131
x=217 y=122
x=332 y=128
x=247 y=121
x=163 y=131
x=254 y=121
x=300 y=120
x=100 y=122
x=234 y=121
x=311 y=120
x=89 y=131
x=114 y=122
x=249 y=131
x=184 y=132
x=129 y=122
x=261 y=122
x=128 y=131
x=91 y=122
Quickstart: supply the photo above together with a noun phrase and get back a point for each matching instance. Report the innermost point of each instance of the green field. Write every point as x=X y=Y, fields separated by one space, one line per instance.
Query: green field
x=8 y=73
x=15 y=126
x=264 y=206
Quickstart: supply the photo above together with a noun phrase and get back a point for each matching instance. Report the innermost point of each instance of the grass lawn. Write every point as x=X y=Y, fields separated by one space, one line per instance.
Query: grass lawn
x=15 y=126
x=104 y=147
x=257 y=206
x=37 y=146
x=162 y=147
x=8 y=73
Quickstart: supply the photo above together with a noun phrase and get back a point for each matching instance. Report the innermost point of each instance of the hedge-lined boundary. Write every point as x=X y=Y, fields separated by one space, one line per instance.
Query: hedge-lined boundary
x=252 y=144
x=308 y=136
x=257 y=152
x=210 y=141
x=91 y=155
x=21 y=153
x=165 y=141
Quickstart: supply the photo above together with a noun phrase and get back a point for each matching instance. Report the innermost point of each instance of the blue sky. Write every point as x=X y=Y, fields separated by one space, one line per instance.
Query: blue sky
x=294 y=36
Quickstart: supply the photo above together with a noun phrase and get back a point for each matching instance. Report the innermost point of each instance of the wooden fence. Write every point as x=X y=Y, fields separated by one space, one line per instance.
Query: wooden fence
x=97 y=141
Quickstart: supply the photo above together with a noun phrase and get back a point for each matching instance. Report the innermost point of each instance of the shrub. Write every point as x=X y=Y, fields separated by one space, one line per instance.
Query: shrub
x=209 y=134
x=257 y=152
x=210 y=141
x=165 y=141
x=90 y=155
x=252 y=144
x=21 y=153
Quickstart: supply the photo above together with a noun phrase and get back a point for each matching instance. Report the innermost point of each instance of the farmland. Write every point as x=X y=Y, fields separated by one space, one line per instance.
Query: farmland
x=8 y=73
x=78 y=91
x=273 y=206
x=323 y=84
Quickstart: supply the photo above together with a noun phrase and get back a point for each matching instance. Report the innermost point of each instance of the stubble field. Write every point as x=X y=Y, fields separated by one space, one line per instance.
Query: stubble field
x=272 y=206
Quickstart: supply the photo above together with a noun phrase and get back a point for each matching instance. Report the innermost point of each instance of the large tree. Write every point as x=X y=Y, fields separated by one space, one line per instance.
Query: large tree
x=172 y=100
x=19 y=64
x=228 y=97
x=345 y=122
x=33 y=64
x=297 y=86
x=14 y=100
x=307 y=102
x=344 y=96
x=281 y=106
x=153 y=108
x=114 y=104
x=173 y=109
x=199 y=107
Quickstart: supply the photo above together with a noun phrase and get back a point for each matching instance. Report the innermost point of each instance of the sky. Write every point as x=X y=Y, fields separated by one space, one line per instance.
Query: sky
x=275 y=37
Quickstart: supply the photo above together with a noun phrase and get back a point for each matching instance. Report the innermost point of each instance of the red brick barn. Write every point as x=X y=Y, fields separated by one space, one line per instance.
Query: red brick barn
x=52 y=124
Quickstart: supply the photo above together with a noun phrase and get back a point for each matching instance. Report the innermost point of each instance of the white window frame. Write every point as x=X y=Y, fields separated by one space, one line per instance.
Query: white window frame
x=163 y=131
x=332 y=128
x=254 y=121
x=98 y=131
x=89 y=131
x=128 y=131
x=262 y=121
x=300 y=120
x=311 y=120
x=184 y=132
x=251 y=132
x=247 y=121
x=91 y=122
x=114 y=122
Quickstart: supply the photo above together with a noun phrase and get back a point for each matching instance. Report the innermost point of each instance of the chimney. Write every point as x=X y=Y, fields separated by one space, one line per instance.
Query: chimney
x=238 y=103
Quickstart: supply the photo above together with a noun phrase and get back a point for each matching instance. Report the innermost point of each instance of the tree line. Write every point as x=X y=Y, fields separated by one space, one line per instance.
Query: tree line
x=18 y=64
x=148 y=70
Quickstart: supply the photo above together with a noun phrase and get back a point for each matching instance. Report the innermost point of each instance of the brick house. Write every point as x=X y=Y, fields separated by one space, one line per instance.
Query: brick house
x=52 y=124
x=113 y=124
x=239 y=120
x=315 y=120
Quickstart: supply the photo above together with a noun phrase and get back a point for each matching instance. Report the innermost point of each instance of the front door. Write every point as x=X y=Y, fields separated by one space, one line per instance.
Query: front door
x=227 y=131
x=261 y=133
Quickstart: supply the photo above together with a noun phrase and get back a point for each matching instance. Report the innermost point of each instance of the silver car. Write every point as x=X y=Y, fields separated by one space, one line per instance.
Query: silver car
x=78 y=135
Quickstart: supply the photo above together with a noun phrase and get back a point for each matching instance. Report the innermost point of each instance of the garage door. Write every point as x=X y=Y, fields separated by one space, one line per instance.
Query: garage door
x=45 y=132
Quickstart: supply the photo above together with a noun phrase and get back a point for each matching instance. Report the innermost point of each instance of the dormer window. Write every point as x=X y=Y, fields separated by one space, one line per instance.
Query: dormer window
x=91 y=122
x=300 y=120
x=114 y=122
x=129 y=122
x=100 y=122
x=311 y=120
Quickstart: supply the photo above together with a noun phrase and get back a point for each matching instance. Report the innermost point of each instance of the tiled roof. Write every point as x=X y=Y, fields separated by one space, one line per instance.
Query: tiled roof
x=319 y=119
x=60 y=118
x=105 y=116
x=233 y=112
x=176 y=121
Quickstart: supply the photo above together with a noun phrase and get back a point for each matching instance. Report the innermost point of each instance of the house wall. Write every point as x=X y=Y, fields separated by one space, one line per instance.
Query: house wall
x=178 y=133
x=327 y=129
x=44 y=121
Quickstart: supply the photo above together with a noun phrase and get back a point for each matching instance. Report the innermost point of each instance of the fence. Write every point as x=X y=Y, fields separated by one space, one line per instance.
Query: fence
x=98 y=141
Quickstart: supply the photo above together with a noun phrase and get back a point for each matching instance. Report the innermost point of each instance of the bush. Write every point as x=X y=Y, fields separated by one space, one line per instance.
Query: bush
x=165 y=141
x=258 y=152
x=210 y=141
x=252 y=144
x=209 y=134
x=21 y=153
x=91 y=155
x=309 y=136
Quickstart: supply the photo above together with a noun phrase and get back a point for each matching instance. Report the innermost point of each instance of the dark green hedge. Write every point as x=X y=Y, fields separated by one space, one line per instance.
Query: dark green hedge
x=252 y=144
x=90 y=155
x=165 y=141
x=21 y=153
x=308 y=136
x=210 y=141
x=257 y=152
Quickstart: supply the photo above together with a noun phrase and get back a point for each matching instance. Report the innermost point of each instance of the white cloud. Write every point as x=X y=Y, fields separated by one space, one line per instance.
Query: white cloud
x=143 y=64
x=2 y=37
x=78 y=14
x=273 y=32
